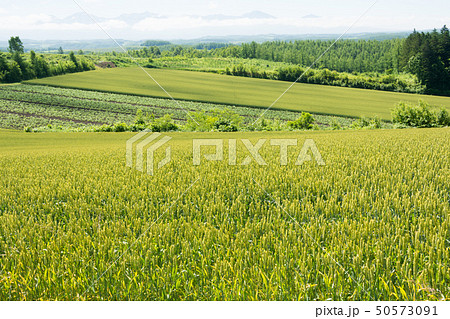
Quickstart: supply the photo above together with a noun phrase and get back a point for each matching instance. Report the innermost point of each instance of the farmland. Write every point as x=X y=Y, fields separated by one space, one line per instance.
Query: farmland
x=222 y=89
x=40 y=106
x=69 y=208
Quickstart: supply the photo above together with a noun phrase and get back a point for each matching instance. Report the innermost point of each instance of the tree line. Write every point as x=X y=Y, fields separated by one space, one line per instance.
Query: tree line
x=15 y=66
x=291 y=73
x=425 y=55
x=346 y=55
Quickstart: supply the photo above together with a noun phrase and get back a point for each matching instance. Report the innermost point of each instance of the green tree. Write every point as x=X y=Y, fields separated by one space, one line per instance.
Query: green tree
x=25 y=68
x=40 y=66
x=73 y=58
x=427 y=56
x=4 y=68
x=15 y=45
x=14 y=74
x=3 y=63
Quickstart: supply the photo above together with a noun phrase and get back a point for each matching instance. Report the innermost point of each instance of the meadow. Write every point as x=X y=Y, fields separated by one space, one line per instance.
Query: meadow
x=222 y=89
x=77 y=224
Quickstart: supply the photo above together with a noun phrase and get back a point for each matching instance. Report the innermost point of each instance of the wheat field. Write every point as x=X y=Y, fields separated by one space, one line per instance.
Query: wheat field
x=372 y=224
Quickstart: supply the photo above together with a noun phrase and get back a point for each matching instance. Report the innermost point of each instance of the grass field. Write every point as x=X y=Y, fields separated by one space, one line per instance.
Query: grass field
x=380 y=207
x=223 y=89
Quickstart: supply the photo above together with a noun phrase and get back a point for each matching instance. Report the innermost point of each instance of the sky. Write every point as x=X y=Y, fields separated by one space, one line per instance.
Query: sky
x=181 y=19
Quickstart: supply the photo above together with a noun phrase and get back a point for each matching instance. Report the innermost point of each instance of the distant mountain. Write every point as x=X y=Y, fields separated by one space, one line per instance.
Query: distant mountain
x=310 y=16
x=257 y=15
x=216 y=17
x=254 y=15
x=83 y=18
x=133 y=18
x=79 y=17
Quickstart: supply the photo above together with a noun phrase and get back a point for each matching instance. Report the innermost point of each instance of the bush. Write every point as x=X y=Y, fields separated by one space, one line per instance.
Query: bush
x=120 y=127
x=375 y=123
x=136 y=127
x=219 y=120
x=139 y=119
x=264 y=124
x=163 y=124
x=304 y=122
x=421 y=115
x=104 y=128
x=225 y=125
x=365 y=123
x=443 y=117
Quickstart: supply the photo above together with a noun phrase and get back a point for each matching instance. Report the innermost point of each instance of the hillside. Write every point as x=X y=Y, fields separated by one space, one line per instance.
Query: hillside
x=222 y=89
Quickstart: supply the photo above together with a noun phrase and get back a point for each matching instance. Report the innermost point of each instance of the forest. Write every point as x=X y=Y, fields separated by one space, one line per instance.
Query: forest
x=427 y=55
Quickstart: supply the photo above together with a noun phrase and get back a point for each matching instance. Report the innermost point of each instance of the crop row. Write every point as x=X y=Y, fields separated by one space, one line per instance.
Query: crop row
x=139 y=101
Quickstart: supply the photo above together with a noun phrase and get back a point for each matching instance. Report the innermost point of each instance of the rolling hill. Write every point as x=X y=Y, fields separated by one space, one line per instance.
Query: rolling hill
x=214 y=88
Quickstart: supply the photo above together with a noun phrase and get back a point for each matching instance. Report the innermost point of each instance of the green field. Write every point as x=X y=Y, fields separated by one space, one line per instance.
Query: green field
x=205 y=87
x=37 y=106
x=69 y=208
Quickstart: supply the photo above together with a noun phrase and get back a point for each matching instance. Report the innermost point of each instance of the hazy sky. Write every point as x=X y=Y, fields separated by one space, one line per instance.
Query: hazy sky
x=36 y=19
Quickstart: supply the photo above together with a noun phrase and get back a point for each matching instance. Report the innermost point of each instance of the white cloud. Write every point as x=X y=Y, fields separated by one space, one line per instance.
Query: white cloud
x=114 y=24
x=213 y=5
x=42 y=25
x=187 y=22
x=24 y=22
x=42 y=22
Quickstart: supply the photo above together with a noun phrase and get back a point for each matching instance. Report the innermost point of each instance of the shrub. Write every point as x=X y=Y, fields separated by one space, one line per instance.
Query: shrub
x=264 y=124
x=104 y=128
x=224 y=125
x=139 y=119
x=365 y=123
x=163 y=124
x=375 y=123
x=304 y=122
x=136 y=127
x=420 y=115
x=120 y=127
x=218 y=120
x=443 y=117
